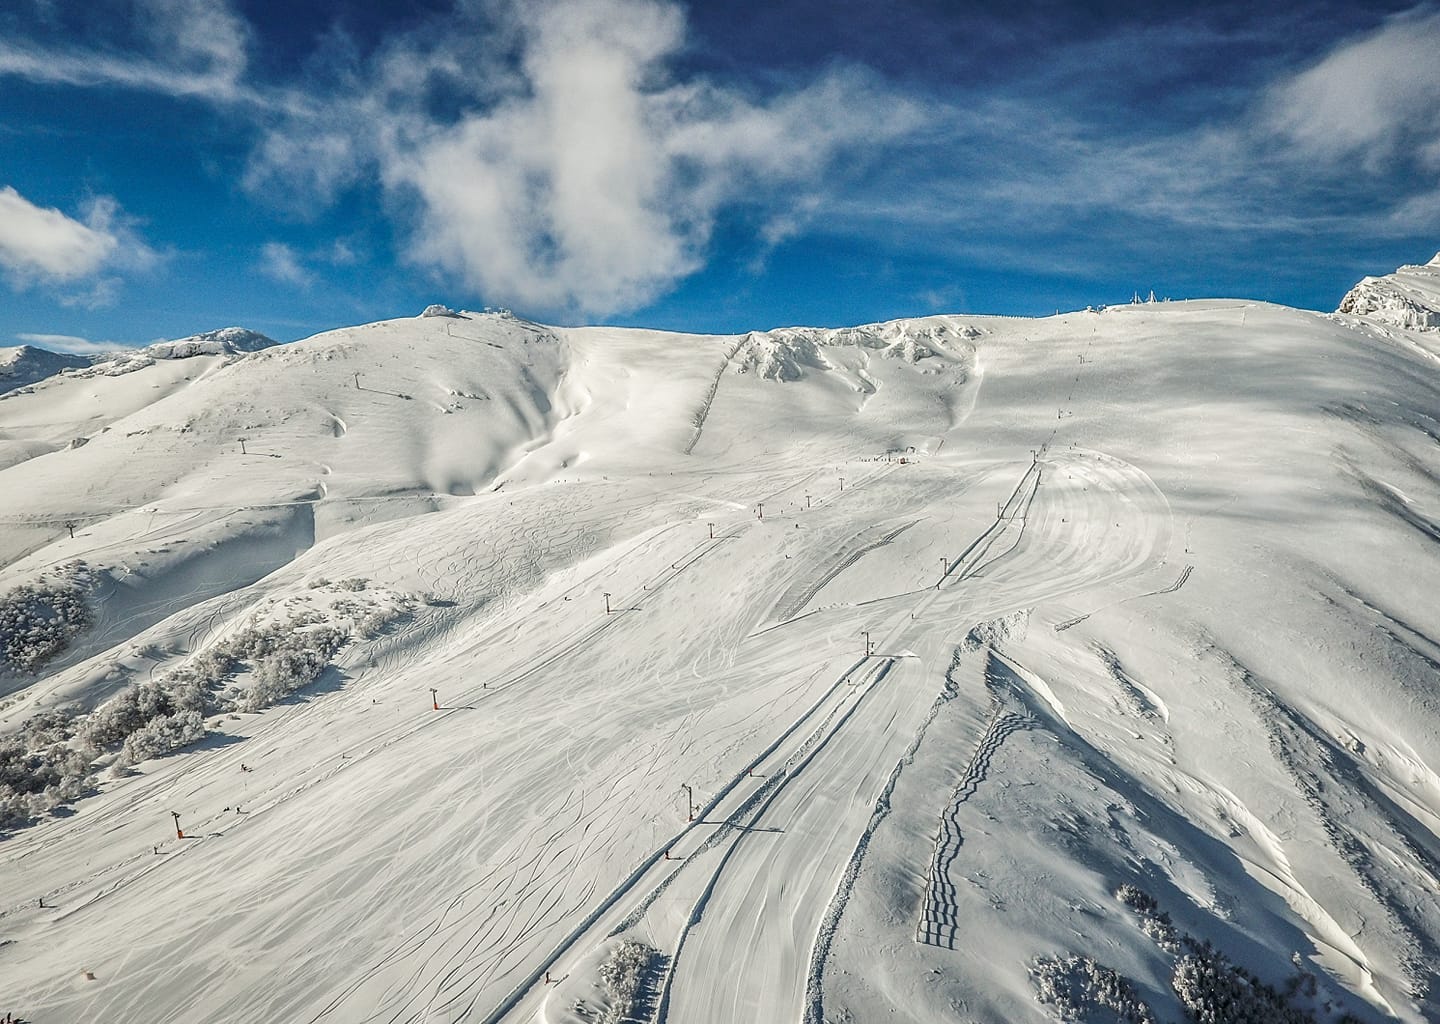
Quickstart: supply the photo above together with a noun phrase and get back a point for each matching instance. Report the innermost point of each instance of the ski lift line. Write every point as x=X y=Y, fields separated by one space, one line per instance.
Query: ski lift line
x=527 y=984
x=987 y=536
x=1184 y=577
x=568 y=647
x=777 y=784
x=839 y=686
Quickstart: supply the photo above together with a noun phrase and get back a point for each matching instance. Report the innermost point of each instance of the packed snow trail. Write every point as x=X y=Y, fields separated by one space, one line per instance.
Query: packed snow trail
x=763 y=900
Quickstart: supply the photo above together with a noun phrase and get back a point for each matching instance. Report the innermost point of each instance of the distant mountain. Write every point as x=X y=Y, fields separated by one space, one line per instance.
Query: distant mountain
x=26 y=364
x=1408 y=298
x=211 y=343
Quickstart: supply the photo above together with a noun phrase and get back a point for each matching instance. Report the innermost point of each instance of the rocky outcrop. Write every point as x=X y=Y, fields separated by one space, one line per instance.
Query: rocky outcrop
x=1408 y=298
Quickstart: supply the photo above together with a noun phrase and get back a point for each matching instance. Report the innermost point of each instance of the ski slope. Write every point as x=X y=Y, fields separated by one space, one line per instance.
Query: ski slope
x=951 y=626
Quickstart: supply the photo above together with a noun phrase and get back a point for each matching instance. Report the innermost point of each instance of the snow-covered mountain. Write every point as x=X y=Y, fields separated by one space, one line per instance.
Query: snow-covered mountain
x=54 y=421
x=26 y=364
x=955 y=668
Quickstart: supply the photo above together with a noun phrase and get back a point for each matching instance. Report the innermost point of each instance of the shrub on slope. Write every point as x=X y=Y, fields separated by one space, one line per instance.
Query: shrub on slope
x=1210 y=987
x=38 y=620
x=54 y=758
x=623 y=975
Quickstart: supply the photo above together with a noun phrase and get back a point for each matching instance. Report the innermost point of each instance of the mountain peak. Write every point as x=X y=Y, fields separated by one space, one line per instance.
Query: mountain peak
x=224 y=341
x=26 y=364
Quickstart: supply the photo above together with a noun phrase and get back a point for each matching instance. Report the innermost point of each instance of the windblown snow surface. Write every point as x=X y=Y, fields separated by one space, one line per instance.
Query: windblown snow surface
x=951 y=626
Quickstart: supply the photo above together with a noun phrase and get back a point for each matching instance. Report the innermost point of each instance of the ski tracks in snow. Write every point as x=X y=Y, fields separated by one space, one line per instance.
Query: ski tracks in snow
x=939 y=922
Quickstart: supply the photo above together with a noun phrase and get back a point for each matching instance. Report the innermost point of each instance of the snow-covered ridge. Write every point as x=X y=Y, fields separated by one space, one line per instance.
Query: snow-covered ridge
x=782 y=353
x=1408 y=298
x=26 y=364
x=225 y=341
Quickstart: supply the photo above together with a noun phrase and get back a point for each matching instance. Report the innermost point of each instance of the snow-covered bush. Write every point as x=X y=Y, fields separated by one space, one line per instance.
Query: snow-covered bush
x=37 y=775
x=41 y=769
x=1006 y=627
x=1215 y=991
x=1082 y=989
x=1211 y=988
x=131 y=710
x=1154 y=922
x=38 y=620
x=623 y=975
x=53 y=759
x=295 y=660
x=163 y=735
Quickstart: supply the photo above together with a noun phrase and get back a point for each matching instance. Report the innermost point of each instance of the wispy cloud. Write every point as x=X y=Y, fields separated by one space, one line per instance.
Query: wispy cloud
x=197 y=48
x=1343 y=148
x=280 y=262
x=69 y=343
x=96 y=294
x=1372 y=97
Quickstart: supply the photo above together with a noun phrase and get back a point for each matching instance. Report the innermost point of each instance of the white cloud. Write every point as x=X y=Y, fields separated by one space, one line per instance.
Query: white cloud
x=342 y=254
x=565 y=169
x=281 y=263
x=43 y=243
x=1372 y=96
x=585 y=179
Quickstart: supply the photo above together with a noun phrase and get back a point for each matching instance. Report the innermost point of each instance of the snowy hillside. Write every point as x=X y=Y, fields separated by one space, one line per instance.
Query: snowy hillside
x=958 y=668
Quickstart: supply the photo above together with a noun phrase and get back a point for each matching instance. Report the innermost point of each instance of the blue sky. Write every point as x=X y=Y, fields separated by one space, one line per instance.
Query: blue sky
x=172 y=166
